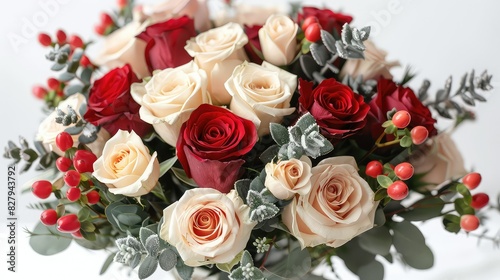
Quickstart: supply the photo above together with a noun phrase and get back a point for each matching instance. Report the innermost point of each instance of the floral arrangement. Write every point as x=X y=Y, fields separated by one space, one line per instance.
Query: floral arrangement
x=255 y=146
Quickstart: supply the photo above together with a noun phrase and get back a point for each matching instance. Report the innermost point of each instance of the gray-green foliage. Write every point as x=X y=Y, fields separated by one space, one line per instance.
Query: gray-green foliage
x=302 y=138
x=246 y=270
x=148 y=252
x=28 y=155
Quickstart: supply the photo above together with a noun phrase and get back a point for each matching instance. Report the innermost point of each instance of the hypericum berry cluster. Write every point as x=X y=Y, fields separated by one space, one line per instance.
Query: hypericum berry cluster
x=470 y=222
x=61 y=39
x=391 y=177
x=311 y=28
x=75 y=163
x=106 y=24
x=398 y=125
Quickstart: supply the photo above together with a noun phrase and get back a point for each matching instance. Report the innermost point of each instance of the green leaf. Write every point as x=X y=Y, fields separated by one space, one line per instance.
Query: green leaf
x=390 y=129
x=48 y=241
x=380 y=194
x=242 y=187
x=66 y=77
x=85 y=76
x=372 y=271
x=57 y=67
x=226 y=267
x=410 y=243
x=378 y=240
x=387 y=123
x=405 y=142
x=424 y=209
x=464 y=191
x=384 y=181
x=147 y=267
x=296 y=264
x=462 y=207
x=144 y=233
x=181 y=175
x=158 y=192
x=452 y=223
x=90 y=236
x=98 y=242
x=184 y=271
x=87 y=226
x=354 y=256
x=279 y=134
x=107 y=263
x=269 y=154
x=83 y=214
x=167 y=259
x=72 y=89
x=129 y=219
x=166 y=165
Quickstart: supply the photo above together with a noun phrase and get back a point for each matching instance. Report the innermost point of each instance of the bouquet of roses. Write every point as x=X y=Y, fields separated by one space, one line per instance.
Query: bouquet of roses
x=255 y=146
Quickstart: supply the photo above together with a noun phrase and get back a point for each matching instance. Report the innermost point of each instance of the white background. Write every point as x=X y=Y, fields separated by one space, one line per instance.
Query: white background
x=438 y=38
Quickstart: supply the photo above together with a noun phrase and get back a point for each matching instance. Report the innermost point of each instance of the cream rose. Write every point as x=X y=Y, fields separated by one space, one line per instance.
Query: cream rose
x=372 y=67
x=339 y=206
x=289 y=177
x=126 y=166
x=261 y=94
x=207 y=226
x=277 y=39
x=195 y=9
x=439 y=160
x=218 y=51
x=248 y=14
x=122 y=47
x=168 y=99
x=49 y=128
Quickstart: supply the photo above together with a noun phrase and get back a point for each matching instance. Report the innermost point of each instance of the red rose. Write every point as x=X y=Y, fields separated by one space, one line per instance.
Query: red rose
x=253 y=43
x=328 y=19
x=166 y=41
x=211 y=145
x=111 y=106
x=338 y=111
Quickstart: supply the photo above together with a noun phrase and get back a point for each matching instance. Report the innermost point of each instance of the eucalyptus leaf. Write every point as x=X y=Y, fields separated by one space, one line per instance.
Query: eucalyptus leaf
x=144 y=234
x=167 y=259
x=296 y=264
x=372 y=271
x=48 y=241
x=147 y=267
x=377 y=240
x=184 y=271
x=167 y=164
x=129 y=219
x=424 y=209
x=107 y=263
x=57 y=67
x=72 y=89
x=66 y=77
x=269 y=154
x=410 y=243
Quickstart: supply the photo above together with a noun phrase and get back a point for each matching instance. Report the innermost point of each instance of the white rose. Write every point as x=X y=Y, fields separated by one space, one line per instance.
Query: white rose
x=277 y=39
x=122 y=47
x=168 y=99
x=339 y=206
x=248 y=14
x=126 y=166
x=438 y=160
x=207 y=226
x=218 y=51
x=49 y=128
x=289 y=177
x=195 y=9
x=372 y=67
x=261 y=94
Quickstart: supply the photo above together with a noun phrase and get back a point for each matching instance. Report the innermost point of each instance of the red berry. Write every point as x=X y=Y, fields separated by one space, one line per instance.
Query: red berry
x=64 y=141
x=73 y=194
x=401 y=119
x=472 y=180
x=397 y=190
x=122 y=3
x=106 y=20
x=479 y=200
x=49 y=217
x=44 y=39
x=63 y=164
x=53 y=83
x=308 y=21
x=374 y=168
x=404 y=170
x=93 y=197
x=419 y=134
x=72 y=178
x=469 y=222
x=100 y=29
x=39 y=92
x=85 y=61
x=77 y=234
x=42 y=189
x=68 y=223
x=61 y=37
x=84 y=161
x=75 y=41
x=313 y=32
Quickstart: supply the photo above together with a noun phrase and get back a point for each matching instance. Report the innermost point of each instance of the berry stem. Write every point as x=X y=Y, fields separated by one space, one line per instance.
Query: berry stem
x=267 y=253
